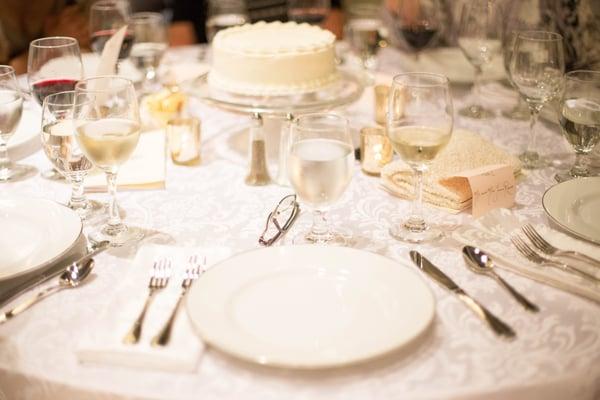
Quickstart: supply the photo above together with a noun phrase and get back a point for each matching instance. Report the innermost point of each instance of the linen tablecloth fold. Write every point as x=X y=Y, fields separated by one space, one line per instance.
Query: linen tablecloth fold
x=465 y=151
x=102 y=343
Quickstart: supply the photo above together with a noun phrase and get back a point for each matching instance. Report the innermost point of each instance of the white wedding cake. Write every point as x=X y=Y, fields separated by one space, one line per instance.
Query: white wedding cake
x=273 y=59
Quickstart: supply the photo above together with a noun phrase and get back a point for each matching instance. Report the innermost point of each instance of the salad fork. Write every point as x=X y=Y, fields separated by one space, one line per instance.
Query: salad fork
x=192 y=273
x=161 y=271
x=542 y=244
x=537 y=258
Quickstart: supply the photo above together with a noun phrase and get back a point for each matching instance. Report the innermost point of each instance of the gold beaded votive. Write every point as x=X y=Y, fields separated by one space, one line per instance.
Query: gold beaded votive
x=183 y=135
x=381 y=103
x=375 y=149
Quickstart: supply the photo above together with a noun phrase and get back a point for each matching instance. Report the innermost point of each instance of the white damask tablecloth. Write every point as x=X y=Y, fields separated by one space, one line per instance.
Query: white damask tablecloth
x=556 y=354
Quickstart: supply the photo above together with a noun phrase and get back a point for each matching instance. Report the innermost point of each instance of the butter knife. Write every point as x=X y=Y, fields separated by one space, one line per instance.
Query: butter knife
x=52 y=272
x=498 y=326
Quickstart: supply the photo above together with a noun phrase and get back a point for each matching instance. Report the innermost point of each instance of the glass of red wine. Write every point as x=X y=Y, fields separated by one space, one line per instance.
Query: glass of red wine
x=54 y=65
x=106 y=18
x=418 y=22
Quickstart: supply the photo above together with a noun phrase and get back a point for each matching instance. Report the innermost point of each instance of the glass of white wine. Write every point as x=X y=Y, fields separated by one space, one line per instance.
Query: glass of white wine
x=107 y=123
x=536 y=68
x=320 y=167
x=580 y=119
x=419 y=125
x=149 y=46
x=61 y=148
x=479 y=38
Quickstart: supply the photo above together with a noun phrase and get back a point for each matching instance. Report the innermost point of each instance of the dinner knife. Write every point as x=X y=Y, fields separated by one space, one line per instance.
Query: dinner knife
x=48 y=274
x=498 y=326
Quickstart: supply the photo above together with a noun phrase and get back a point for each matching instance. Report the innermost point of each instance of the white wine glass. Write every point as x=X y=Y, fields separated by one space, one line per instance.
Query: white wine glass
x=61 y=148
x=107 y=122
x=320 y=167
x=149 y=46
x=419 y=125
x=479 y=38
x=537 y=67
x=580 y=119
x=311 y=12
x=11 y=108
x=223 y=14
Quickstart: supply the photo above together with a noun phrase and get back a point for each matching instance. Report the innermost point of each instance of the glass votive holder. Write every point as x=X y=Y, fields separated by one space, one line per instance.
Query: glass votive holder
x=381 y=103
x=183 y=135
x=375 y=149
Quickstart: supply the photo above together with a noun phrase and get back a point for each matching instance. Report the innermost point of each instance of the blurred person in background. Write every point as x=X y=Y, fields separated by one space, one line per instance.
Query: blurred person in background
x=22 y=21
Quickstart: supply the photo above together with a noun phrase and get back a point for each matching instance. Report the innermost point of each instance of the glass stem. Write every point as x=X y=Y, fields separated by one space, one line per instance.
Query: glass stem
x=580 y=167
x=320 y=227
x=114 y=220
x=415 y=222
x=77 y=193
x=532 y=144
x=4 y=161
x=477 y=87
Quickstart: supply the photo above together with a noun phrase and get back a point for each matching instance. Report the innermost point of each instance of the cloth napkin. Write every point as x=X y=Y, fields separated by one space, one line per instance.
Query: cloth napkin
x=146 y=169
x=492 y=233
x=102 y=344
x=465 y=151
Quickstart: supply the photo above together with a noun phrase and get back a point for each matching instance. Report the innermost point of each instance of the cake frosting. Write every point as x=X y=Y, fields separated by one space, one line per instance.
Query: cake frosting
x=273 y=58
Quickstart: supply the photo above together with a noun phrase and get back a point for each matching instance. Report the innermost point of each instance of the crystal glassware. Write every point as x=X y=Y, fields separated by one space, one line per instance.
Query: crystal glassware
x=320 y=167
x=418 y=22
x=580 y=119
x=479 y=38
x=363 y=31
x=223 y=14
x=420 y=122
x=150 y=44
x=61 y=148
x=11 y=108
x=537 y=66
x=107 y=129
x=312 y=12
x=106 y=18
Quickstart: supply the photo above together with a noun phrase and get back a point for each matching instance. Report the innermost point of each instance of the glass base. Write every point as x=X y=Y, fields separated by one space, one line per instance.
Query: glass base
x=90 y=208
x=532 y=160
x=331 y=238
x=476 y=111
x=420 y=233
x=17 y=172
x=119 y=235
x=568 y=175
x=52 y=175
x=517 y=113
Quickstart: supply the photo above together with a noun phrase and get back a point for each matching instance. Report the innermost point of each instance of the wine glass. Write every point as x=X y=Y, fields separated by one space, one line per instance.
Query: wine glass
x=320 y=168
x=479 y=35
x=363 y=32
x=520 y=110
x=419 y=22
x=419 y=125
x=312 y=12
x=580 y=119
x=537 y=66
x=106 y=18
x=150 y=44
x=107 y=123
x=11 y=108
x=61 y=148
x=224 y=14
x=53 y=65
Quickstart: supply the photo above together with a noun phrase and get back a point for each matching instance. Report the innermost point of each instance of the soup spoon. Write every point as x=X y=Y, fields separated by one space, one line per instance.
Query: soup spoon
x=481 y=263
x=72 y=277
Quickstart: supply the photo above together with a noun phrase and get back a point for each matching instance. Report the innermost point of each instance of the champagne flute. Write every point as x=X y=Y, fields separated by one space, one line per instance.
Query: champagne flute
x=224 y=14
x=320 y=168
x=106 y=18
x=537 y=66
x=479 y=39
x=150 y=44
x=11 y=108
x=363 y=31
x=312 y=12
x=419 y=125
x=107 y=123
x=60 y=146
x=418 y=21
x=580 y=119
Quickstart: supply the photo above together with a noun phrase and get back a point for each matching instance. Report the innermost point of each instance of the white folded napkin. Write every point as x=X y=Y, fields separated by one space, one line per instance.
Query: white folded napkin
x=102 y=344
x=145 y=169
x=492 y=233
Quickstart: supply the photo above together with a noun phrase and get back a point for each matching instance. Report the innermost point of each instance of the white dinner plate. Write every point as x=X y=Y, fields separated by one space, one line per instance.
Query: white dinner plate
x=309 y=306
x=450 y=61
x=35 y=233
x=575 y=206
x=26 y=139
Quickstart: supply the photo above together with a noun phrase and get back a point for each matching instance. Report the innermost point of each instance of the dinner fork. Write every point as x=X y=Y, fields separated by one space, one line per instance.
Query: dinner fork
x=193 y=271
x=537 y=258
x=542 y=244
x=161 y=271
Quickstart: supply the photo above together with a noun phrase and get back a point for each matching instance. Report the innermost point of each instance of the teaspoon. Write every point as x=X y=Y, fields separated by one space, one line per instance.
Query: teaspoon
x=72 y=276
x=481 y=263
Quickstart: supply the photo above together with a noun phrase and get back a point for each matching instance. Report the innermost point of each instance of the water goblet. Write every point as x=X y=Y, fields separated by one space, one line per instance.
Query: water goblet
x=150 y=44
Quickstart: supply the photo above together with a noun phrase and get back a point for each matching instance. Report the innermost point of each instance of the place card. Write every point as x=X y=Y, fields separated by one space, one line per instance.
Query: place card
x=110 y=53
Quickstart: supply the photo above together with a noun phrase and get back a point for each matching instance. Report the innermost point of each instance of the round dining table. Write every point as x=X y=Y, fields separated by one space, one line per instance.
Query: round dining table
x=556 y=354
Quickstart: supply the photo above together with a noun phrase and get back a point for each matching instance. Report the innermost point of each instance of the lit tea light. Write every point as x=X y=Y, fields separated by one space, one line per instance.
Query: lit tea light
x=183 y=135
x=375 y=150
x=381 y=103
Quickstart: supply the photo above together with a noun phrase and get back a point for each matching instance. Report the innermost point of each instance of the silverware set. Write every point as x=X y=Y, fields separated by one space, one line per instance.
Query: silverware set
x=159 y=279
